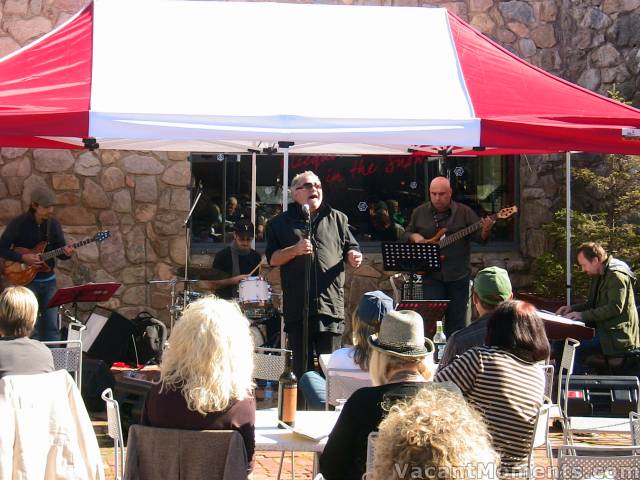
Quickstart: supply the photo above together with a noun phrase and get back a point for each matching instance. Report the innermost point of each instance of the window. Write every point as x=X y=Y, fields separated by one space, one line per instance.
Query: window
x=377 y=193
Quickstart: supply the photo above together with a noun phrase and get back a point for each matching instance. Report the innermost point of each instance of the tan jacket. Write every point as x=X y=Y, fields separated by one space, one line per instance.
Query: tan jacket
x=45 y=431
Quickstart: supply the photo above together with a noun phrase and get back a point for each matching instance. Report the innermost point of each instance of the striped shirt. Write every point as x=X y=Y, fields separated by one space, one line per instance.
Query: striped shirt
x=508 y=392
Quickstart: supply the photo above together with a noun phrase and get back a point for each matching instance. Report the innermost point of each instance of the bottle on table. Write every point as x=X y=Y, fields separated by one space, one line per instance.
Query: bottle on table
x=439 y=342
x=287 y=394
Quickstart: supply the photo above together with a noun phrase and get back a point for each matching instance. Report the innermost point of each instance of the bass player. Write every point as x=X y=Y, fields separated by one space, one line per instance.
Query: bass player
x=26 y=231
x=452 y=282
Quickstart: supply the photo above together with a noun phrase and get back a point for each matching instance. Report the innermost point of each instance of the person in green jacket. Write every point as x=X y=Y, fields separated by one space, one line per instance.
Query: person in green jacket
x=610 y=308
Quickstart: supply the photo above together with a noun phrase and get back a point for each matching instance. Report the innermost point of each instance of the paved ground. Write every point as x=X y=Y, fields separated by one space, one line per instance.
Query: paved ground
x=266 y=465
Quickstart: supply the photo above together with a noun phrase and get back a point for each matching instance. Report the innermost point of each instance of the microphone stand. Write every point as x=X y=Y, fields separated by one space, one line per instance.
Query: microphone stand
x=307 y=287
x=188 y=242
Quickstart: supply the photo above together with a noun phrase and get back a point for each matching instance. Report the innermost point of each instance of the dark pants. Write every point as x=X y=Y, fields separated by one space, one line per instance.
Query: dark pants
x=46 y=329
x=457 y=292
x=319 y=343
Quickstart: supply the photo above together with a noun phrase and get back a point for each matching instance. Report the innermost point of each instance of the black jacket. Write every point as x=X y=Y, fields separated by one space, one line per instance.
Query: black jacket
x=24 y=231
x=332 y=240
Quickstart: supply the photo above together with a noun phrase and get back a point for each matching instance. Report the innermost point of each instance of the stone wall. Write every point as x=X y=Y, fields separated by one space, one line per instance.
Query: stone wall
x=141 y=197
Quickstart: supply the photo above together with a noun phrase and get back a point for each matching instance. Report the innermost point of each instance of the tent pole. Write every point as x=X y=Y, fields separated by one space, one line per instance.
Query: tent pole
x=253 y=196
x=568 y=227
x=285 y=179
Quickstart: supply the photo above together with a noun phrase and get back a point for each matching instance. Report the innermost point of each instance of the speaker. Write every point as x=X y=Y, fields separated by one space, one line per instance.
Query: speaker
x=602 y=396
x=108 y=335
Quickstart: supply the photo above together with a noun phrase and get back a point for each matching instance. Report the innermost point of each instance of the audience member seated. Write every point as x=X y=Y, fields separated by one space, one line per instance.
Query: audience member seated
x=20 y=355
x=503 y=381
x=491 y=286
x=352 y=361
x=398 y=370
x=206 y=374
x=451 y=441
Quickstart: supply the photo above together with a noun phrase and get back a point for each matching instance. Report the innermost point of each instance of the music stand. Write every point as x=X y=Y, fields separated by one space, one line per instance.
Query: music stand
x=89 y=292
x=411 y=257
x=431 y=312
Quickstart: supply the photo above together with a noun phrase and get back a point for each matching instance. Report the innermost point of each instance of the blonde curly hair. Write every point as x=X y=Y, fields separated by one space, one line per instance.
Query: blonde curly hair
x=436 y=434
x=210 y=356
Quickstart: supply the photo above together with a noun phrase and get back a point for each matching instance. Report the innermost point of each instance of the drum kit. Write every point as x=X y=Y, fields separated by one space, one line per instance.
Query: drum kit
x=255 y=299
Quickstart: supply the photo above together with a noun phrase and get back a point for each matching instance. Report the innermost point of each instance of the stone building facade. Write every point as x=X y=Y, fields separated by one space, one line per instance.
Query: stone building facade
x=141 y=197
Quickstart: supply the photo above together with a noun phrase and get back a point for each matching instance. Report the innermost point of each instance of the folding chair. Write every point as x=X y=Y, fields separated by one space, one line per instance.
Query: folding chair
x=558 y=410
x=67 y=355
x=634 y=427
x=601 y=462
x=371 y=451
x=340 y=385
x=115 y=432
x=540 y=436
x=268 y=364
x=171 y=453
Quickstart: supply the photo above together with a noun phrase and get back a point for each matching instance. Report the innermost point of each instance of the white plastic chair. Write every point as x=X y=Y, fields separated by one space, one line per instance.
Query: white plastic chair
x=67 y=355
x=114 y=430
x=601 y=462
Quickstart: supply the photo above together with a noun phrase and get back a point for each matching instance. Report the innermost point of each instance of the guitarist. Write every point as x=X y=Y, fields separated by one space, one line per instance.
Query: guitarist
x=27 y=230
x=452 y=282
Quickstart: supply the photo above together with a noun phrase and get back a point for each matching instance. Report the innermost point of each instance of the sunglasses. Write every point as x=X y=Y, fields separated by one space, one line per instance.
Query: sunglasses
x=309 y=186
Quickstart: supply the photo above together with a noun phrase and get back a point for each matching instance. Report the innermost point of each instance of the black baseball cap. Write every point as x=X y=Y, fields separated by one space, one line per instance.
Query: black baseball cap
x=244 y=228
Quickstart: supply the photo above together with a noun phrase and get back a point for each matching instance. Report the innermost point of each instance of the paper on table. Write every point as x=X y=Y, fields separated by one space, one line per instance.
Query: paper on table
x=311 y=428
x=546 y=315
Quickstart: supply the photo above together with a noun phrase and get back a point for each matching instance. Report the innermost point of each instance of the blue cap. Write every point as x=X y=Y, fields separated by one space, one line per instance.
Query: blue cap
x=373 y=307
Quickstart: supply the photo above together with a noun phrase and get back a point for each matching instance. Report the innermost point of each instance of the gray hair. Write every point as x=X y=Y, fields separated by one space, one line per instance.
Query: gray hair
x=297 y=180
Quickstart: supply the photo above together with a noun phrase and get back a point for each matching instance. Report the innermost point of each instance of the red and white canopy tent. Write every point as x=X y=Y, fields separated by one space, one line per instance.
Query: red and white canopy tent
x=232 y=76
x=238 y=77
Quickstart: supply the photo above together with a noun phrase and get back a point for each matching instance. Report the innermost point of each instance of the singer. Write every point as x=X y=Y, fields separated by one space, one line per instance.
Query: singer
x=330 y=244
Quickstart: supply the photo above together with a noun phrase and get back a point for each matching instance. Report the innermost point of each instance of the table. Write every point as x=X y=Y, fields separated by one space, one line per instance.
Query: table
x=271 y=438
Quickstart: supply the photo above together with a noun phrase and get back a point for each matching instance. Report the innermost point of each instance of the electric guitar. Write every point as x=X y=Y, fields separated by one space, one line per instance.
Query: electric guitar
x=20 y=273
x=444 y=240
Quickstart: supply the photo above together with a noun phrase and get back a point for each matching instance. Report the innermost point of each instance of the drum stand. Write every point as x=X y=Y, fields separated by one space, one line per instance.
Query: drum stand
x=174 y=308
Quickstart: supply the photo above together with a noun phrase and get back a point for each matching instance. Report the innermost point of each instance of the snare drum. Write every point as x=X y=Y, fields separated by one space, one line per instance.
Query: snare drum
x=254 y=292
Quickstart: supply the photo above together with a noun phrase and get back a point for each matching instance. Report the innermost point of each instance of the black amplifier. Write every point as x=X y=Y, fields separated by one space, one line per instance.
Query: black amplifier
x=602 y=396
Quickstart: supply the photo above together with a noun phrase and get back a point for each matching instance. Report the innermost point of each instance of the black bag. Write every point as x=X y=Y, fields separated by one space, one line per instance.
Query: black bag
x=148 y=340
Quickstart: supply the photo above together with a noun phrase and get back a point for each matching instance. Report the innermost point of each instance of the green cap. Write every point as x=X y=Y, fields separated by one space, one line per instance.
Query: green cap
x=492 y=285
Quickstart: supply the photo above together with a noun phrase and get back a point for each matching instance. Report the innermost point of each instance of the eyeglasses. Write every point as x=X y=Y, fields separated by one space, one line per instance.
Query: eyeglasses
x=309 y=186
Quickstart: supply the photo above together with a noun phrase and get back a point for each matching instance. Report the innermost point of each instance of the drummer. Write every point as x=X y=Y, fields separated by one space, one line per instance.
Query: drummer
x=237 y=261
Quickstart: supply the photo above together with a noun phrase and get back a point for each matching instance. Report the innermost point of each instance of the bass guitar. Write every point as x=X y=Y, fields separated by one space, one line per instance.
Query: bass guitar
x=20 y=273
x=443 y=240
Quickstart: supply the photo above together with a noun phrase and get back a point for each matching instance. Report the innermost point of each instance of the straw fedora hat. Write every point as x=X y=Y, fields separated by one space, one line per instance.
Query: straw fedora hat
x=402 y=335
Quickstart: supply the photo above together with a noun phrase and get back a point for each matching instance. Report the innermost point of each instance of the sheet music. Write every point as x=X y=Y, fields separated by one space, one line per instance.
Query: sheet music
x=546 y=315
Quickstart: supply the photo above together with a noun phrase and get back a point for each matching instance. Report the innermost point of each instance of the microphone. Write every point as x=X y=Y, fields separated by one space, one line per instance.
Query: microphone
x=305 y=210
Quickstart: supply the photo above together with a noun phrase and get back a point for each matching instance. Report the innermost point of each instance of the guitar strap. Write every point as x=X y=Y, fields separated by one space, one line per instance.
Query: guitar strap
x=441 y=218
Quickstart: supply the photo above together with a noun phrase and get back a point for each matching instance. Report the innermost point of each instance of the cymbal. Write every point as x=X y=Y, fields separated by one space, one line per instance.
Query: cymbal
x=204 y=273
